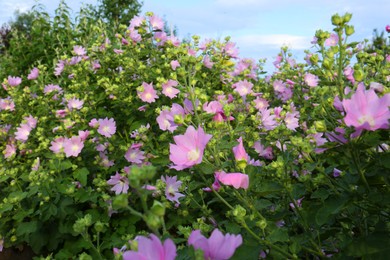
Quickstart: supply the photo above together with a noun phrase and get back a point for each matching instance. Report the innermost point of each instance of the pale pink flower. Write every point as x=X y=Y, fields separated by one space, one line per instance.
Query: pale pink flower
x=136 y=21
x=218 y=246
x=237 y=180
x=189 y=148
x=261 y=103
x=311 y=80
x=107 y=127
x=120 y=184
x=230 y=49
x=7 y=104
x=243 y=87
x=79 y=50
x=52 y=88
x=169 y=90
x=135 y=36
x=165 y=121
x=267 y=120
x=57 y=145
x=22 y=133
x=207 y=62
x=84 y=135
x=14 y=81
x=94 y=123
x=156 y=22
x=10 y=150
x=332 y=40
x=265 y=152
x=135 y=155
x=75 y=103
x=34 y=73
x=31 y=121
x=292 y=120
x=239 y=151
x=152 y=249
x=172 y=188
x=59 y=67
x=365 y=110
x=73 y=146
x=175 y=64
x=147 y=93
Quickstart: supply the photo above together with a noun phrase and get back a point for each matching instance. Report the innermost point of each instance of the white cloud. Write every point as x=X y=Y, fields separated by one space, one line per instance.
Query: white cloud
x=274 y=41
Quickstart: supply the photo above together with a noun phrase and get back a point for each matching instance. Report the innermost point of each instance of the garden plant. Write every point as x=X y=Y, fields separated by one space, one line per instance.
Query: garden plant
x=137 y=145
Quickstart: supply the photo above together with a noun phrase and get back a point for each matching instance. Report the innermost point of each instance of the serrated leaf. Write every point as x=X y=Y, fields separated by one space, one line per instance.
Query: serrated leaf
x=331 y=206
x=81 y=175
x=26 y=228
x=278 y=235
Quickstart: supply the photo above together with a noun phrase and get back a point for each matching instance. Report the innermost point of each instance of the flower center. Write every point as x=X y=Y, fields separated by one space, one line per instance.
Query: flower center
x=367 y=119
x=193 y=155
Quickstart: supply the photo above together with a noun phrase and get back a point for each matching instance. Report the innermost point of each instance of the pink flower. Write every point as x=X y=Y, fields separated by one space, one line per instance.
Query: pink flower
x=14 y=81
x=237 y=180
x=73 y=146
x=175 y=64
x=172 y=188
x=147 y=93
x=57 y=144
x=243 y=87
x=239 y=151
x=59 y=67
x=291 y=120
x=10 y=150
x=263 y=152
x=94 y=123
x=23 y=132
x=207 y=62
x=34 y=73
x=152 y=249
x=169 y=90
x=365 y=110
x=230 y=49
x=107 y=127
x=189 y=148
x=51 y=88
x=83 y=135
x=136 y=21
x=75 y=103
x=134 y=155
x=332 y=40
x=79 y=50
x=120 y=183
x=31 y=121
x=165 y=121
x=7 y=104
x=156 y=22
x=218 y=246
x=267 y=120
x=311 y=80
x=387 y=28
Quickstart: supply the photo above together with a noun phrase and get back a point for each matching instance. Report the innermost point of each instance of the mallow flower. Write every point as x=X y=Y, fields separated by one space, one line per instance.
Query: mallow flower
x=217 y=246
x=236 y=179
x=152 y=249
x=366 y=111
x=189 y=148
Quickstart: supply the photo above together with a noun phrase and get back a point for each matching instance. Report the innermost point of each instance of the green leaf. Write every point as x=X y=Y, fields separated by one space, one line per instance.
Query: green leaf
x=331 y=206
x=81 y=175
x=321 y=194
x=5 y=207
x=376 y=243
x=26 y=228
x=279 y=235
x=268 y=187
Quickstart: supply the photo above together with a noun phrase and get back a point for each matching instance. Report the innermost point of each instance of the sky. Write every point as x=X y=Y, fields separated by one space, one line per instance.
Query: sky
x=258 y=27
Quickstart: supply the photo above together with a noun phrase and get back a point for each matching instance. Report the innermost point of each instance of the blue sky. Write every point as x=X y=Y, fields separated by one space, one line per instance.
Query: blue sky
x=259 y=27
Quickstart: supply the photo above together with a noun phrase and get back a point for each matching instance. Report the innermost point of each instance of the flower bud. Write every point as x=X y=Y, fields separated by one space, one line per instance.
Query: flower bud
x=320 y=126
x=337 y=20
x=349 y=30
x=347 y=17
x=158 y=209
